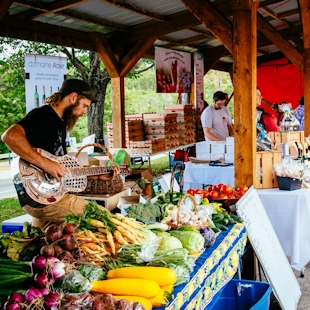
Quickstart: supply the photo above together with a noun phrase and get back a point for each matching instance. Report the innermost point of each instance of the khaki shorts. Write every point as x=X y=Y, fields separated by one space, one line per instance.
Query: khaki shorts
x=55 y=213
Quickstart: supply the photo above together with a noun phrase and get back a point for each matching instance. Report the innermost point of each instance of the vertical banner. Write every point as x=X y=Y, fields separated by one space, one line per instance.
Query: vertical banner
x=43 y=77
x=173 y=71
x=199 y=75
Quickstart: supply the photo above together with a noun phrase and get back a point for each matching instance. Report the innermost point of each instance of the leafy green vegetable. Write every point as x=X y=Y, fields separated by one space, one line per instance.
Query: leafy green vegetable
x=91 y=211
x=92 y=273
x=170 y=243
x=146 y=213
x=192 y=241
x=74 y=283
x=149 y=235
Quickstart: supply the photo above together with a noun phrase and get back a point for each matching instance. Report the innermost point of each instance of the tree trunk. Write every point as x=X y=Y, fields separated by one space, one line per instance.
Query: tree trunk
x=99 y=80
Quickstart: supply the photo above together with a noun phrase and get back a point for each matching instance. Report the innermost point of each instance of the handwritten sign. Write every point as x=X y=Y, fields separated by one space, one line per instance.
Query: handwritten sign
x=269 y=250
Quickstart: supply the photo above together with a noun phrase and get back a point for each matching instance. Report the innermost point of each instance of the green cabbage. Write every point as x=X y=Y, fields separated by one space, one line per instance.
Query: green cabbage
x=149 y=235
x=191 y=241
x=170 y=243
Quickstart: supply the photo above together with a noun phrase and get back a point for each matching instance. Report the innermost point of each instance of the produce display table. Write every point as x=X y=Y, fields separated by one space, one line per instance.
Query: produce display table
x=289 y=214
x=197 y=175
x=214 y=268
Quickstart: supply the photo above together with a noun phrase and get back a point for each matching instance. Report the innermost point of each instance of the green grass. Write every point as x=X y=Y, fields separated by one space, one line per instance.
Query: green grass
x=9 y=208
x=158 y=165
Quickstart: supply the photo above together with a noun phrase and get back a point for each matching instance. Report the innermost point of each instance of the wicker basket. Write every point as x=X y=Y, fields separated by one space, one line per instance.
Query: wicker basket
x=178 y=225
x=111 y=186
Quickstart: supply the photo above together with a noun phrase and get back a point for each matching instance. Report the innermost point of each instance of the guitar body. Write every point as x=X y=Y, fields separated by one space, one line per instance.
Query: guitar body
x=42 y=187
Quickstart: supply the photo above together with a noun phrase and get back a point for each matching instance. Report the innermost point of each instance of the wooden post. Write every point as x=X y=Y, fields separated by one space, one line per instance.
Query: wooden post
x=244 y=80
x=118 y=112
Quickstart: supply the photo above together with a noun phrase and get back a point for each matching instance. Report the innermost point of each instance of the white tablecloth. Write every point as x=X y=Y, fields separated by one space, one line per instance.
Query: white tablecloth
x=289 y=213
x=197 y=175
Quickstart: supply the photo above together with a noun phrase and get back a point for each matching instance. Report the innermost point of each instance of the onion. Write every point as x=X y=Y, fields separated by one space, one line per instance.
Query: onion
x=52 y=260
x=47 y=250
x=66 y=256
x=15 y=297
x=45 y=291
x=39 y=262
x=11 y=306
x=32 y=294
x=51 y=300
x=58 y=270
x=41 y=279
x=52 y=232
x=57 y=249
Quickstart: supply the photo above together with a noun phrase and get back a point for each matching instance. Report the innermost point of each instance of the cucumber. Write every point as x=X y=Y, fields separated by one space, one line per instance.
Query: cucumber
x=231 y=221
x=217 y=217
x=224 y=221
x=215 y=229
x=221 y=226
x=237 y=218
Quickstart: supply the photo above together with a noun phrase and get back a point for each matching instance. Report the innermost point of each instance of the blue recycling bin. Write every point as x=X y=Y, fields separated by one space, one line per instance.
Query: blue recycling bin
x=243 y=295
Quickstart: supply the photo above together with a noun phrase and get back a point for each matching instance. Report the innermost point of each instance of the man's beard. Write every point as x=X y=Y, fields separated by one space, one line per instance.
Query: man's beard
x=70 y=119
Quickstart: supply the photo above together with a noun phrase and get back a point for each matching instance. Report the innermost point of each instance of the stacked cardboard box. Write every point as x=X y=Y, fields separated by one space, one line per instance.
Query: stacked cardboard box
x=133 y=132
x=148 y=146
x=186 y=127
x=162 y=126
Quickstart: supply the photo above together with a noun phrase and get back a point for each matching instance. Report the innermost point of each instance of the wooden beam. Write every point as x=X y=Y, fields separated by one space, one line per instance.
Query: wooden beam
x=4 y=7
x=212 y=19
x=135 y=54
x=212 y=56
x=42 y=32
x=273 y=35
x=244 y=81
x=305 y=19
x=275 y=15
x=136 y=9
x=106 y=53
x=118 y=112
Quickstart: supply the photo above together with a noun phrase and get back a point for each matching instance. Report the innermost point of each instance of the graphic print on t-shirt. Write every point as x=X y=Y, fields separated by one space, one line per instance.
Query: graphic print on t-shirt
x=58 y=148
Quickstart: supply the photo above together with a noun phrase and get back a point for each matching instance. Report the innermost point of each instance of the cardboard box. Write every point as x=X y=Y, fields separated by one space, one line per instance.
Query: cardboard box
x=229 y=158
x=108 y=201
x=216 y=156
x=206 y=156
x=126 y=201
x=230 y=145
x=165 y=183
x=218 y=147
x=203 y=147
x=102 y=159
x=140 y=173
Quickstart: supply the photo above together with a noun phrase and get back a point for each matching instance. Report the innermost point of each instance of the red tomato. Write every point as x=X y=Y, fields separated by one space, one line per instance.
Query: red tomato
x=214 y=194
x=228 y=190
x=210 y=188
x=191 y=192
x=223 y=196
x=206 y=195
x=198 y=191
x=221 y=188
x=244 y=188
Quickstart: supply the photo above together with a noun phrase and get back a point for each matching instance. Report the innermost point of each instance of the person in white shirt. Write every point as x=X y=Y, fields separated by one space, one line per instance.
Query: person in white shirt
x=216 y=120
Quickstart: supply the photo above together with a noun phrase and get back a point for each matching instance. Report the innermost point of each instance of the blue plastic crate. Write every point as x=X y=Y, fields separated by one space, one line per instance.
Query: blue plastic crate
x=243 y=295
x=16 y=223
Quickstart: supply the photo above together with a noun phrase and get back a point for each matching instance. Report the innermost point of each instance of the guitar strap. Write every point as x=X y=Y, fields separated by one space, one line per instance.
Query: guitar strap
x=24 y=198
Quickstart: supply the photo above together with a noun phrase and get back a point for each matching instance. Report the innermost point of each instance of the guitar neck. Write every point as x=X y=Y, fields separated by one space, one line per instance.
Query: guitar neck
x=88 y=171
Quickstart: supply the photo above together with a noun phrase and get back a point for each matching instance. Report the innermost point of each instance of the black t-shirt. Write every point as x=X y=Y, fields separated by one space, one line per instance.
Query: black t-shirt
x=45 y=130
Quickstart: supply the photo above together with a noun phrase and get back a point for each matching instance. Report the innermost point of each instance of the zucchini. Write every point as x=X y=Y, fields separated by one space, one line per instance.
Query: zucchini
x=237 y=218
x=221 y=226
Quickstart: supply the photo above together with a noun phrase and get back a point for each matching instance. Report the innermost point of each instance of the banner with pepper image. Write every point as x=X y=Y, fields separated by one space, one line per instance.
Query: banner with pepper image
x=173 y=71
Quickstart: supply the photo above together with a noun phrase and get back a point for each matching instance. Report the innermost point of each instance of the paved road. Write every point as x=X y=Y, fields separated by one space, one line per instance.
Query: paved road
x=7 y=189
